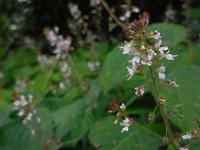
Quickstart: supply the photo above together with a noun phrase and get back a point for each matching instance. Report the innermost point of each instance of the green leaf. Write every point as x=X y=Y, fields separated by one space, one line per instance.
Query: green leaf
x=114 y=71
x=171 y=34
x=185 y=98
x=196 y=145
x=196 y=55
x=105 y=136
x=77 y=117
x=112 y=26
x=17 y=136
x=194 y=13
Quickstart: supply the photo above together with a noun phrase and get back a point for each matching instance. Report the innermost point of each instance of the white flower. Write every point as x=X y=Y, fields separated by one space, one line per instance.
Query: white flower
x=151 y=54
x=126 y=124
x=140 y=90
x=21 y=113
x=161 y=72
x=161 y=49
x=130 y=72
x=29 y=116
x=182 y=148
x=187 y=137
x=161 y=76
x=158 y=43
x=61 y=85
x=33 y=132
x=122 y=106
x=170 y=56
x=126 y=48
x=30 y=97
x=156 y=35
x=145 y=61
x=135 y=59
x=173 y=83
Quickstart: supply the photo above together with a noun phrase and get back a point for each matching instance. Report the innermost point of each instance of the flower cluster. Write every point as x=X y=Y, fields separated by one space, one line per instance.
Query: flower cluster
x=128 y=11
x=93 y=65
x=79 y=25
x=95 y=3
x=145 y=48
x=45 y=61
x=121 y=113
x=62 y=45
x=23 y=106
x=21 y=85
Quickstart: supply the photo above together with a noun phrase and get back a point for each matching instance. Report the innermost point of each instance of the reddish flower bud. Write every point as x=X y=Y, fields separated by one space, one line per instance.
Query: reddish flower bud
x=114 y=104
x=198 y=121
x=15 y=94
x=177 y=136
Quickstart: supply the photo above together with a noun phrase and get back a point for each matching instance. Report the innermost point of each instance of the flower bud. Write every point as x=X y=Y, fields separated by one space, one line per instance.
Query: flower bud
x=198 y=121
x=114 y=105
x=115 y=122
x=162 y=101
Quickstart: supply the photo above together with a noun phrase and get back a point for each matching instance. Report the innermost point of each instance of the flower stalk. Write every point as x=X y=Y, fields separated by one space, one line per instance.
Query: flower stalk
x=162 y=110
x=147 y=50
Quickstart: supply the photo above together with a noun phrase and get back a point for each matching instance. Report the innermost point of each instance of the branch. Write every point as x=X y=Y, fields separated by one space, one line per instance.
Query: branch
x=105 y=5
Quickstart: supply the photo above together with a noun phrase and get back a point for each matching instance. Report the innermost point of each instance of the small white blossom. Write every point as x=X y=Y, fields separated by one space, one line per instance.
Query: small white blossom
x=140 y=90
x=32 y=132
x=135 y=59
x=187 y=137
x=93 y=65
x=74 y=10
x=161 y=49
x=126 y=15
x=20 y=113
x=156 y=35
x=145 y=60
x=161 y=72
x=29 y=116
x=170 y=56
x=151 y=54
x=158 y=43
x=173 y=83
x=125 y=123
x=130 y=72
x=61 y=85
x=183 y=148
x=122 y=106
x=30 y=97
x=126 y=48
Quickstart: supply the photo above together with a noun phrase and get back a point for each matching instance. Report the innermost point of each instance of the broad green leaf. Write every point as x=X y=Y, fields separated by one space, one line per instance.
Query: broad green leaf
x=77 y=117
x=194 y=13
x=15 y=136
x=4 y=113
x=196 y=145
x=196 y=55
x=171 y=34
x=105 y=136
x=114 y=71
x=184 y=58
x=185 y=98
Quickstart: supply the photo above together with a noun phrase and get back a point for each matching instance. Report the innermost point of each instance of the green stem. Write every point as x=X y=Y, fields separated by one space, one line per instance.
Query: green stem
x=162 y=110
x=77 y=73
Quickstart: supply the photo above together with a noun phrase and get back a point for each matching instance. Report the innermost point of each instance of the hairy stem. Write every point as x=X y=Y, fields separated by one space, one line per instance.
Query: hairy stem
x=162 y=110
x=105 y=5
